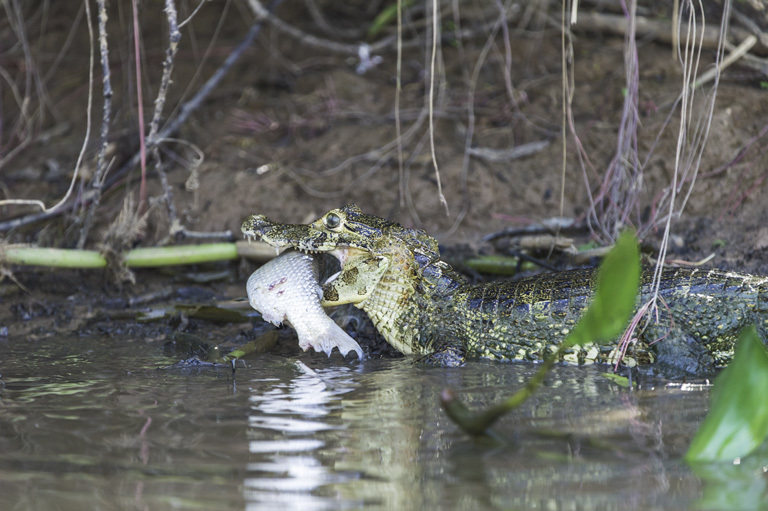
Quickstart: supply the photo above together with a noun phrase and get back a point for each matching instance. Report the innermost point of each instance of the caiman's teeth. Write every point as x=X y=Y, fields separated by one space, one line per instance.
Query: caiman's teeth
x=277 y=251
x=332 y=278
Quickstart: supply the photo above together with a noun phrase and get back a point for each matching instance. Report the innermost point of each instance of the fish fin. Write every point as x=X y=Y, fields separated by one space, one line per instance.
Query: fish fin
x=336 y=336
x=329 y=337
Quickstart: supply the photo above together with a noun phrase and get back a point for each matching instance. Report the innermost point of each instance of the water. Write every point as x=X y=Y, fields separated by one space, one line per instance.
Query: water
x=101 y=423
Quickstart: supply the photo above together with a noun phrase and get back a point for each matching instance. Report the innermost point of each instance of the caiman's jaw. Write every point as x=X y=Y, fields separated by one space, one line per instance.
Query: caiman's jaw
x=346 y=233
x=331 y=234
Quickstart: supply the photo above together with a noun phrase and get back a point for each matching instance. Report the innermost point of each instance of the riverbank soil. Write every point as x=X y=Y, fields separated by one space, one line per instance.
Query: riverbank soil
x=297 y=128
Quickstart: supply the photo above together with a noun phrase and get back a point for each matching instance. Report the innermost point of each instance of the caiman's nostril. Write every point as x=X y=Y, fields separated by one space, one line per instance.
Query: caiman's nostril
x=254 y=223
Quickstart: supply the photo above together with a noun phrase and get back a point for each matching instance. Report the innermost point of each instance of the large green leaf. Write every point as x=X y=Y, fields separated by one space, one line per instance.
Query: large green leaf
x=616 y=294
x=741 y=486
x=737 y=422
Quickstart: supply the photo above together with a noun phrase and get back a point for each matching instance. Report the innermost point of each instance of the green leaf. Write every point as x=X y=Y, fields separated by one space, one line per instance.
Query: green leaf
x=385 y=17
x=615 y=297
x=737 y=422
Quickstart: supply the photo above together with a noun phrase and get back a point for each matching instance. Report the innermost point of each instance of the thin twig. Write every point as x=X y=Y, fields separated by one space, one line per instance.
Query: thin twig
x=32 y=76
x=376 y=154
x=507 y=69
x=752 y=27
x=140 y=106
x=432 y=84
x=170 y=53
x=659 y=29
x=194 y=13
x=398 y=92
x=471 y=81
x=60 y=206
x=168 y=130
x=702 y=136
x=741 y=50
x=264 y=14
x=321 y=23
x=623 y=178
x=193 y=104
x=692 y=152
x=24 y=128
x=101 y=165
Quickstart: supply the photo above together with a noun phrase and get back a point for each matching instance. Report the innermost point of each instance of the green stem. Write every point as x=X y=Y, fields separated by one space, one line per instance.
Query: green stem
x=140 y=257
x=182 y=254
x=479 y=424
x=54 y=257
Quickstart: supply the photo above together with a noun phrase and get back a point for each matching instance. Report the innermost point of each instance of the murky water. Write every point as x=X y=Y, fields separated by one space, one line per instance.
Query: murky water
x=98 y=423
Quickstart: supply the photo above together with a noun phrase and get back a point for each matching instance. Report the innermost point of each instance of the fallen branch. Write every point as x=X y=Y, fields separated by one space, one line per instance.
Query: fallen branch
x=732 y=57
x=661 y=30
x=514 y=153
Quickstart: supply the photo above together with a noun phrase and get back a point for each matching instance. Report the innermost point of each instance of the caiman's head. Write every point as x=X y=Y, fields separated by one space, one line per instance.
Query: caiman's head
x=346 y=233
x=381 y=262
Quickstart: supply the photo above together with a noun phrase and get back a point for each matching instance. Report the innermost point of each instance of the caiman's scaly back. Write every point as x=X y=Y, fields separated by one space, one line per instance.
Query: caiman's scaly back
x=421 y=306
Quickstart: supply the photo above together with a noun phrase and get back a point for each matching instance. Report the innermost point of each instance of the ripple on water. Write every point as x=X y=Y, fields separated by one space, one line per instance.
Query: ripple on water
x=110 y=423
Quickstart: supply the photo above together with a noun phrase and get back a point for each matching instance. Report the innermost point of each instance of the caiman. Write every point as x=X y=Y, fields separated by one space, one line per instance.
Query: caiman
x=421 y=306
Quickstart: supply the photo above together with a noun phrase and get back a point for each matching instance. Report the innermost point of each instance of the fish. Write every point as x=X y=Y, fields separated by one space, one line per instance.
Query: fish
x=287 y=289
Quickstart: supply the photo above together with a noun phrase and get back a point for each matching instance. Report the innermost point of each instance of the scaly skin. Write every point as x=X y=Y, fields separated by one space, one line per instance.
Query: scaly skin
x=422 y=307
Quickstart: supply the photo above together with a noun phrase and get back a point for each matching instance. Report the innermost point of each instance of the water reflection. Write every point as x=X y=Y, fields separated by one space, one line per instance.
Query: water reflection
x=304 y=414
x=105 y=423
x=336 y=438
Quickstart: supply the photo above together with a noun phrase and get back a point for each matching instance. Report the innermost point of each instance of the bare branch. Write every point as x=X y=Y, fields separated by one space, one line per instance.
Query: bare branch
x=101 y=165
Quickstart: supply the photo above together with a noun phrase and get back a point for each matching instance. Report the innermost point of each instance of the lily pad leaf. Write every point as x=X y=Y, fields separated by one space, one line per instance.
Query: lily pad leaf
x=737 y=422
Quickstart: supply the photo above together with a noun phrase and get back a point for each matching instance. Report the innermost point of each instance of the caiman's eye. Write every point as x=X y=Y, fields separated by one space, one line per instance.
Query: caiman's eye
x=332 y=220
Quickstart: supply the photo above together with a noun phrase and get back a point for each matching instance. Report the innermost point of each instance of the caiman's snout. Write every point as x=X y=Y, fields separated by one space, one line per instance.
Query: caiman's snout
x=297 y=236
x=255 y=224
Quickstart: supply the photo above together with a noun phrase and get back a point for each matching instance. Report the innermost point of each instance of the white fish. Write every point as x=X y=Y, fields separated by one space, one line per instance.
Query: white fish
x=286 y=288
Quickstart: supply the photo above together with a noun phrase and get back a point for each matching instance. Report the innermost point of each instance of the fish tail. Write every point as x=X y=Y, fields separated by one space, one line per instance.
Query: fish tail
x=334 y=336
